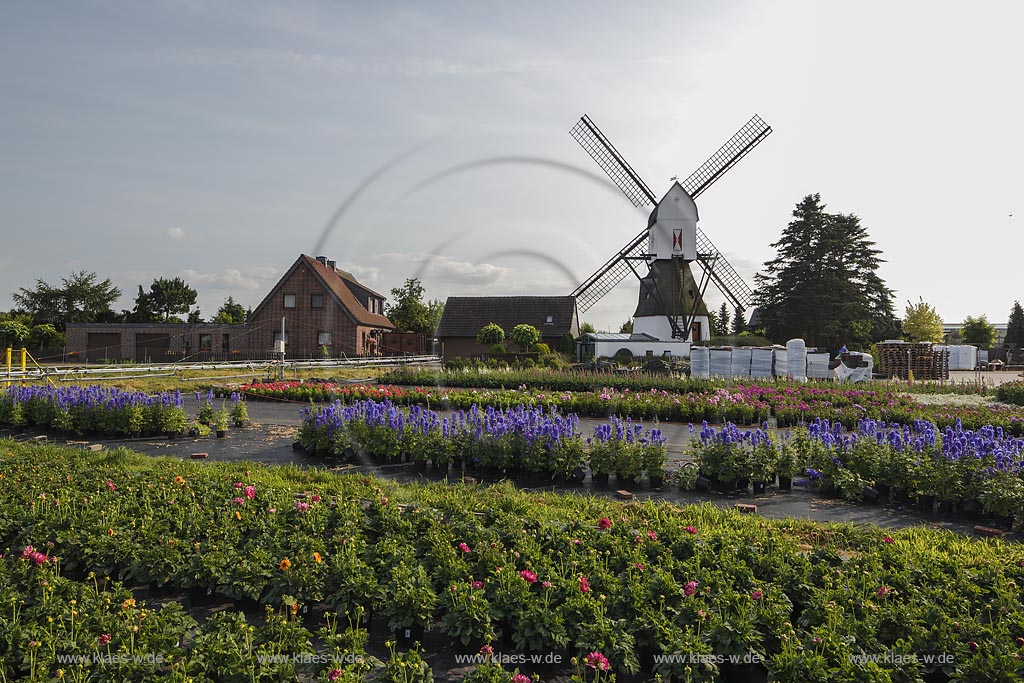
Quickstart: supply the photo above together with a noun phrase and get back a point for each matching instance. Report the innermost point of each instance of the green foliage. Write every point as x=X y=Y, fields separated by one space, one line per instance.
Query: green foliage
x=497 y=350
x=525 y=336
x=230 y=313
x=626 y=327
x=978 y=331
x=170 y=296
x=541 y=348
x=587 y=328
x=12 y=333
x=739 y=322
x=568 y=344
x=722 y=321
x=45 y=336
x=922 y=323
x=79 y=299
x=1011 y=392
x=490 y=334
x=408 y=313
x=823 y=286
x=1015 y=327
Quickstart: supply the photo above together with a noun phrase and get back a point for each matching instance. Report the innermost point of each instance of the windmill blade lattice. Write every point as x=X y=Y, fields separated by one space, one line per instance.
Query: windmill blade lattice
x=746 y=138
x=611 y=162
x=611 y=273
x=721 y=272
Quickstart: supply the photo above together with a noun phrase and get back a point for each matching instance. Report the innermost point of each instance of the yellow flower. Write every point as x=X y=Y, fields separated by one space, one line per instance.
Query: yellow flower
x=238 y=515
x=316 y=556
x=179 y=479
x=284 y=565
x=128 y=604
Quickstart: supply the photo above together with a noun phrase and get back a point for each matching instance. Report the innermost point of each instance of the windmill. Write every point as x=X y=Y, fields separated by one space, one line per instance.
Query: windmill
x=671 y=302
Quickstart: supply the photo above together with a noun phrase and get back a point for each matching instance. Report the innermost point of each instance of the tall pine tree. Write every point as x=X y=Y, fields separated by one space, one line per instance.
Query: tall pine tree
x=823 y=286
x=722 y=321
x=1015 y=328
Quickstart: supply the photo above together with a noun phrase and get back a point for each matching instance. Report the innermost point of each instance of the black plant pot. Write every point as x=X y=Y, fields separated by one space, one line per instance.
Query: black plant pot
x=926 y=503
x=657 y=482
x=420 y=465
x=743 y=673
x=601 y=478
x=407 y=636
x=158 y=591
x=297 y=446
x=702 y=483
x=247 y=605
x=742 y=484
x=221 y=433
x=577 y=475
x=785 y=483
x=1002 y=522
x=349 y=452
x=971 y=508
x=200 y=596
x=871 y=494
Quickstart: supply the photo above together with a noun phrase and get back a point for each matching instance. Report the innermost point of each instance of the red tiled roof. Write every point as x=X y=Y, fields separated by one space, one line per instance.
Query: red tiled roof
x=336 y=283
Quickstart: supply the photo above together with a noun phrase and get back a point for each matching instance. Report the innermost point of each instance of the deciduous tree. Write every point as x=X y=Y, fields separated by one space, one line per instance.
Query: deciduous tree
x=490 y=334
x=525 y=336
x=978 y=331
x=78 y=299
x=230 y=313
x=408 y=313
x=922 y=323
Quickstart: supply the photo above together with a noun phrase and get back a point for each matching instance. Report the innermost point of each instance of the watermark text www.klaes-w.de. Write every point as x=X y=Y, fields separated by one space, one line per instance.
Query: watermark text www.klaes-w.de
x=705 y=658
x=111 y=659
x=901 y=658
x=510 y=658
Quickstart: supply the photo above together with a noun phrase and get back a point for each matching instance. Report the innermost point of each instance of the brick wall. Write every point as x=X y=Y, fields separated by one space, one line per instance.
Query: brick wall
x=303 y=323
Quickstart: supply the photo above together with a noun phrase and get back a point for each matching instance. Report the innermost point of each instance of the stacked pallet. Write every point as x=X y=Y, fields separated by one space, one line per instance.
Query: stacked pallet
x=899 y=359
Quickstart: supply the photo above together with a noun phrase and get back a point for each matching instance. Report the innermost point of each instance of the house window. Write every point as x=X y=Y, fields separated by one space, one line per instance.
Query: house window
x=550 y=320
x=316 y=300
x=289 y=301
x=205 y=342
x=324 y=338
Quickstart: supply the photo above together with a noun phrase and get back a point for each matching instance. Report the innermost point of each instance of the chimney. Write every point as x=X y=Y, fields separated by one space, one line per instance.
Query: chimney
x=322 y=260
x=333 y=265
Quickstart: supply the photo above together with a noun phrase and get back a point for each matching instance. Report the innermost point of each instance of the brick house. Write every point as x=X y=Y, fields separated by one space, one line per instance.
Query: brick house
x=323 y=306
x=464 y=316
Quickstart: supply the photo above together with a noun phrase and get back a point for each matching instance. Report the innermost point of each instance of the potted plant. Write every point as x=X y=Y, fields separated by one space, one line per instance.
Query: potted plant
x=220 y=423
x=786 y=465
x=654 y=459
x=239 y=413
x=409 y=605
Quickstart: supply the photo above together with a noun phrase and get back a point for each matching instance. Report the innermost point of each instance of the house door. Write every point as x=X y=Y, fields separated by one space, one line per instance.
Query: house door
x=696 y=332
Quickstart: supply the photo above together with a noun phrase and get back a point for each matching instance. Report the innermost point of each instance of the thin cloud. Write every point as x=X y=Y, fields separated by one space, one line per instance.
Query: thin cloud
x=176 y=234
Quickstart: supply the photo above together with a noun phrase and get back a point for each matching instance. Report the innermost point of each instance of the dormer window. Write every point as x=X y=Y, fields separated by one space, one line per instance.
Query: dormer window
x=550 y=320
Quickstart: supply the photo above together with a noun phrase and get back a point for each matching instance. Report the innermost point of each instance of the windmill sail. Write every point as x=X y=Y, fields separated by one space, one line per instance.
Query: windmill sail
x=721 y=272
x=611 y=273
x=611 y=162
x=738 y=146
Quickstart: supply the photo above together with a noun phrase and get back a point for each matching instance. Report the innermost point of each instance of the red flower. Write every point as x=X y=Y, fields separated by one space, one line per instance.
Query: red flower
x=973 y=645
x=333 y=674
x=690 y=588
x=756 y=595
x=463 y=547
x=487 y=650
x=584 y=585
x=103 y=639
x=528 y=576
x=691 y=529
x=604 y=523
x=883 y=591
x=888 y=539
x=597 y=661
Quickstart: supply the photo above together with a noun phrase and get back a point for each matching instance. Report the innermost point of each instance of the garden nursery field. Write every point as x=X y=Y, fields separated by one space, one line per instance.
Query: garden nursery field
x=119 y=566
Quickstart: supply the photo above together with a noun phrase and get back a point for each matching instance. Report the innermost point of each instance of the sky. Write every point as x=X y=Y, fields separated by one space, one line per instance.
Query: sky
x=218 y=141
